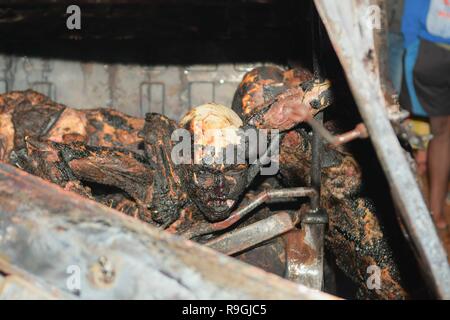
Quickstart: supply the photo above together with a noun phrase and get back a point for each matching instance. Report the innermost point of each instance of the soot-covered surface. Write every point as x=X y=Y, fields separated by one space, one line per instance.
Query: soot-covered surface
x=189 y=32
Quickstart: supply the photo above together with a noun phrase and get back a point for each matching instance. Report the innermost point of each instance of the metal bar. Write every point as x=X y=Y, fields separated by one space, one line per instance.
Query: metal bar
x=315 y=43
x=310 y=272
x=352 y=38
x=304 y=255
x=360 y=132
x=249 y=236
x=316 y=169
x=263 y=197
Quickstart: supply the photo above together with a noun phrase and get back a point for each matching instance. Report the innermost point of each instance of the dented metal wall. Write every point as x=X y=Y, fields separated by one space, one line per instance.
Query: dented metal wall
x=133 y=89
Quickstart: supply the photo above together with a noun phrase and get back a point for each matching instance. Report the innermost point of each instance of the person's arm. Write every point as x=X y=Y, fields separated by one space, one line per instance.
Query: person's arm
x=411 y=20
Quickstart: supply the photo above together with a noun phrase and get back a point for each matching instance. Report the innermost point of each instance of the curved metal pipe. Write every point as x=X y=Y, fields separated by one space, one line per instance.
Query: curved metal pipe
x=263 y=197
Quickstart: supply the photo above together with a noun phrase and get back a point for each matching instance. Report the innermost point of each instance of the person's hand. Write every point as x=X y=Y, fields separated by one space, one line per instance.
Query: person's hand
x=294 y=106
x=286 y=114
x=283 y=114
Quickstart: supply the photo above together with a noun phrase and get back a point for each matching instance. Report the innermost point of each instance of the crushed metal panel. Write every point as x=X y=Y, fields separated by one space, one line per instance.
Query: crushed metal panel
x=44 y=230
x=353 y=41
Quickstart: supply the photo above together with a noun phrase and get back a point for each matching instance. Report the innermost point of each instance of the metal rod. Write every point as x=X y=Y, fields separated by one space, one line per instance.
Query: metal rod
x=315 y=43
x=207 y=228
x=254 y=234
x=359 y=131
x=316 y=169
x=314 y=278
x=316 y=141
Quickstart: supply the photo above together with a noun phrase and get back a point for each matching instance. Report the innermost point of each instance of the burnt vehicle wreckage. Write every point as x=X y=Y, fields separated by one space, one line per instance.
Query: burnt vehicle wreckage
x=110 y=199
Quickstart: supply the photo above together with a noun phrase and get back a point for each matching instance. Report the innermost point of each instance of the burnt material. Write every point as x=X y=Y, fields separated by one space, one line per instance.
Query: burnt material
x=29 y=113
x=72 y=164
x=168 y=196
x=56 y=228
x=145 y=185
x=74 y=148
x=355 y=234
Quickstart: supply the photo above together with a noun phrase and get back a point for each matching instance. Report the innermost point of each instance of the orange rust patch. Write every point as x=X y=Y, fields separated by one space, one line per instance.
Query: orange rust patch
x=297 y=249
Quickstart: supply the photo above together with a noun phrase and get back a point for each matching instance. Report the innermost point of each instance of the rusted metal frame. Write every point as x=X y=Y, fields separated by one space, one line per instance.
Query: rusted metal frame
x=263 y=197
x=353 y=42
x=310 y=272
x=360 y=132
x=249 y=236
x=317 y=148
x=304 y=255
x=313 y=225
x=316 y=168
x=44 y=230
x=304 y=247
